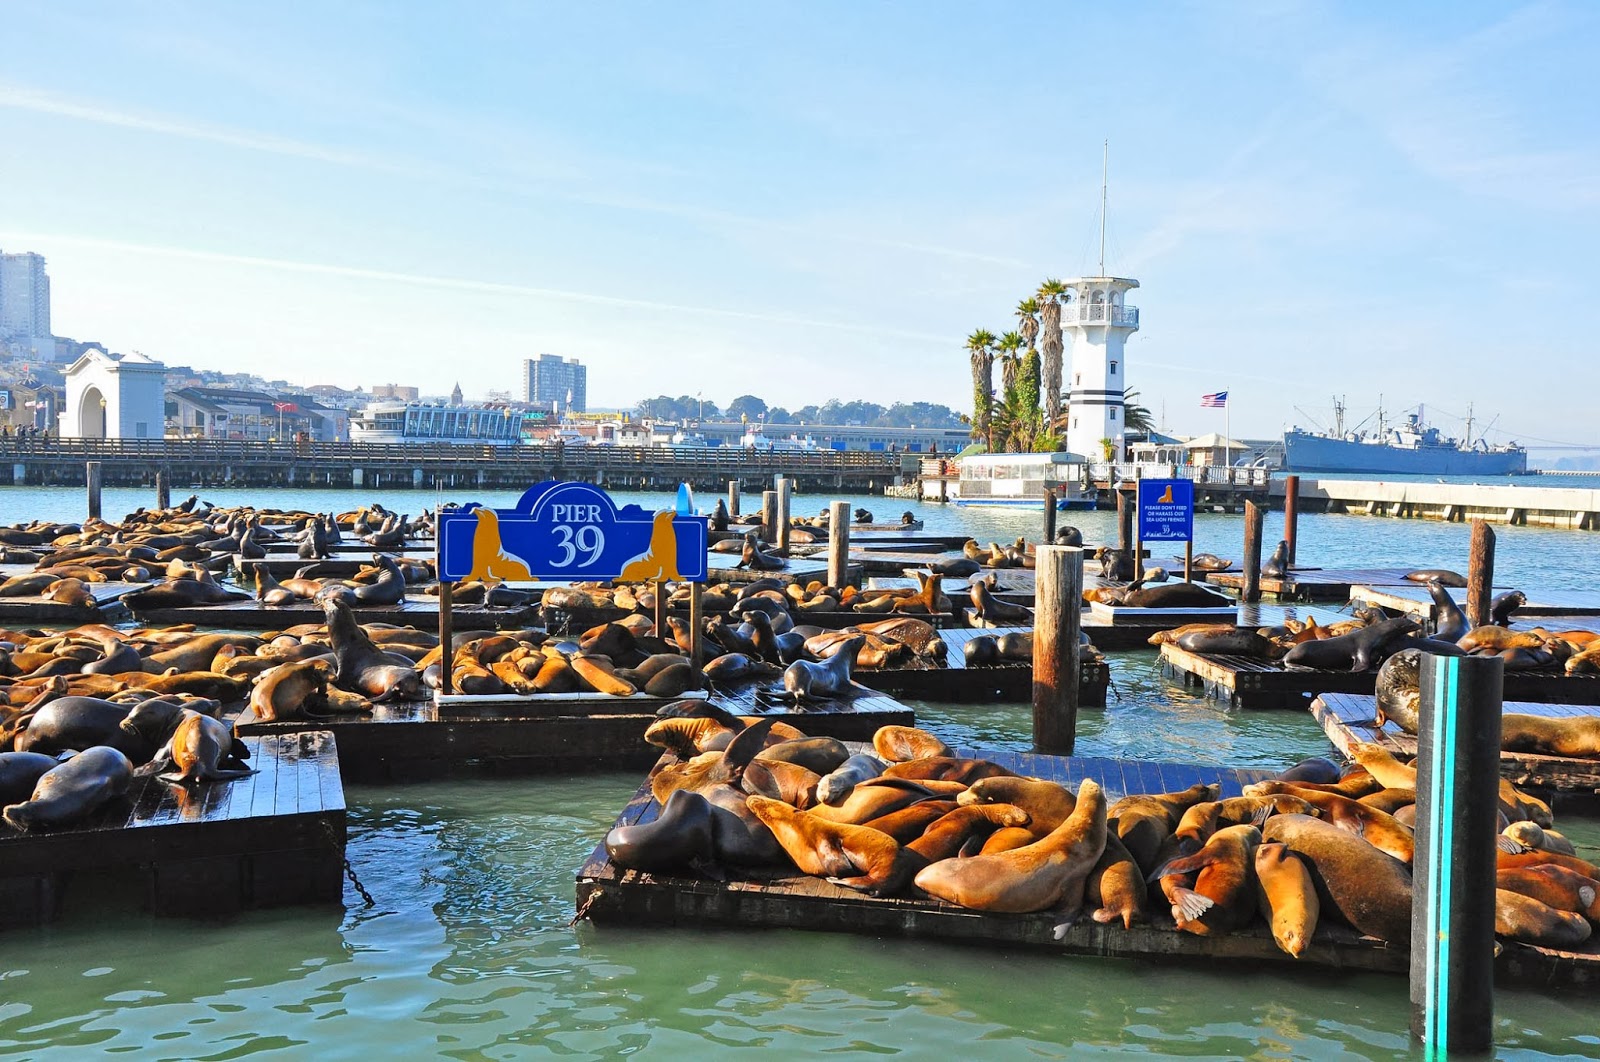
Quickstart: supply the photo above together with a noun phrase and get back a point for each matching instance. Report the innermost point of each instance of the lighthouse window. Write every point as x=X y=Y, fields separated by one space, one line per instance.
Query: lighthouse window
x=1077 y=378
x=1113 y=368
x=1113 y=412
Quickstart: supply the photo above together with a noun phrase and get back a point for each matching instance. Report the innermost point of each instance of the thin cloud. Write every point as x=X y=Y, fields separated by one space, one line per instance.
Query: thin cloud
x=44 y=240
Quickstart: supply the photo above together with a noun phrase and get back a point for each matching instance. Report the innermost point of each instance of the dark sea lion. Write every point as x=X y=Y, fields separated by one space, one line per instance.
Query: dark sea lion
x=1443 y=576
x=1501 y=608
x=754 y=558
x=1286 y=896
x=1017 y=646
x=836 y=785
x=79 y=723
x=680 y=836
x=781 y=780
x=1116 y=565
x=388 y=589
x=982 y=651
x=805 y=681
x=732 y=667
x=1315 y=769
x=818 y=754
x=1052 y=872
x=20 y=772
x=1449 y=622
x=1176 y=595
x=361 y=666
x=897 y=744
x=1369 y=889
x=1522 y=918
x=855 y=857
x=990 y=608
x=738 y=836
x=73 y=790
x=1210 y=562
x=955 y=567
x=1069 y=536
x=1358 y=650
x=201 y=749
x=1233 y=641
x=675 y=680
x=1277 y=565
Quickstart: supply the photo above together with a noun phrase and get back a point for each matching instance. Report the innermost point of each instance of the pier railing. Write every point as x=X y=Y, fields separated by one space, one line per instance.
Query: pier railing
x=1205 y=475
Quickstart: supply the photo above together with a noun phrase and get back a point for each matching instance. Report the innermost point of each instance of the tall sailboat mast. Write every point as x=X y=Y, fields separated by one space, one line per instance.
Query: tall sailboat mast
x=1105 y=167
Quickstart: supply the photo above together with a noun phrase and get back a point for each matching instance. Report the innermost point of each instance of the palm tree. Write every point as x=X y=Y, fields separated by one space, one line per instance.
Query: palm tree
x=1028 y=320
x=1135 y=417
x=1009 y=345
x=980 y=348
x=1050 y=299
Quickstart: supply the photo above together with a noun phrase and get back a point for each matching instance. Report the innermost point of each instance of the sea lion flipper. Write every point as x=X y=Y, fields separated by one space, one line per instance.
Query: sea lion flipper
x=1189 y=906
x=1586 y=895
x=1509 y=846
x=744 y=748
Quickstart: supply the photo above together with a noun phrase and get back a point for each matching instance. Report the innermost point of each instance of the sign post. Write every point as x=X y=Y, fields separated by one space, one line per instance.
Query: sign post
x=1166 y=514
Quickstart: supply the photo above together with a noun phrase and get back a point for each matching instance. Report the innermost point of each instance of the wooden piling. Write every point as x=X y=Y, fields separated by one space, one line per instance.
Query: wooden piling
x=1291 y=512
x=660 y=617
x=446 y=636
x=769 y=515
x=781 y=543
x=697 y=645
x=1125 y=507
x=1480 y=573
x=91 y=473
x=1251 y=591
x=838 y=542
x=1058 y=609
x=1188 y=561
x=733 y=497
x=163 y=489
x=1049 y=517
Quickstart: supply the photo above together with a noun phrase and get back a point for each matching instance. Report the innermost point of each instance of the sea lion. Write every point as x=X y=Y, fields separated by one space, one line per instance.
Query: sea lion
x=1116 y=887
x=1221 y=898
x=992 y=609
x=361 y=666
x=200 y=748
x=818 y=754
x=753 y=558
x=1144 y=820
x=1277 y=565
x=856 y=857
x=1069 y=536
x=1443 y=576
x=1176 y=595
x=1527 y=835
x=1315 y=769
x=74 y=789
x=1050 y=873
x=1449 y=622
x=1498 y=638
x=1116 y=565
x=1210 y=562
x=981 y=651
x=1286 y=896
x=79 y=723
x=1358 y=650
x=20 y=772
x=1561 y=888
x=805 y=681
x=836 y=785
x=955 y=567
x=1377 y=827
x=1399 y=691
x=680 y=836
x=285 y=692
x=781 y=780
x=1501 y=608
x=897 y=744
x=712 y=768
x=1047 y=803
x=1230 y=641
x=1369 y=889
x=1577 y=736
x=1522 y=918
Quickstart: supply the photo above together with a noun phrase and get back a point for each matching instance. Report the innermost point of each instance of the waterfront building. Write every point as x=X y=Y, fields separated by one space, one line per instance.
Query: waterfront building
x=403 y=393
x=1097 y=323
x=25 y=299
x=114 y=396
x=551 y=379
x=235 y=413
x=425 y=422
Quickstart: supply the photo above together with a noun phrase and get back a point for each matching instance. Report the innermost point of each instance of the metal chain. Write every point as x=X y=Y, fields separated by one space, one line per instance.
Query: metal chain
x=583 y=908
x=349 y=871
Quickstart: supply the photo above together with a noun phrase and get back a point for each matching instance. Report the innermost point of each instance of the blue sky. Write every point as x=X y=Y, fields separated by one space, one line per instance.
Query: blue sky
x=822 y=200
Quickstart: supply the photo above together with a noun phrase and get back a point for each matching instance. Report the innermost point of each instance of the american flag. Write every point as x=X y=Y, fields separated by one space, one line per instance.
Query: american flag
x=1216 y=401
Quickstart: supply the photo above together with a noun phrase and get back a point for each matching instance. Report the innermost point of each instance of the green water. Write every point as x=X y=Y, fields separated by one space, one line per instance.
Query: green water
x=468 y=954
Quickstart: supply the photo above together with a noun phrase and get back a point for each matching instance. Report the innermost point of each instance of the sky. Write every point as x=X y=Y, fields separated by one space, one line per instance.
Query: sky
x=1394 y=204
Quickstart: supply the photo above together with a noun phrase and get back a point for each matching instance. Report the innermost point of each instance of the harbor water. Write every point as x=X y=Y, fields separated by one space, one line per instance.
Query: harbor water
x=467 y=952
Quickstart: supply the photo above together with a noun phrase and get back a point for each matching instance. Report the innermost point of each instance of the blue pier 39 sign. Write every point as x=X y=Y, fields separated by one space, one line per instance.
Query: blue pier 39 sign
x=570 y=531
x=1166 y=510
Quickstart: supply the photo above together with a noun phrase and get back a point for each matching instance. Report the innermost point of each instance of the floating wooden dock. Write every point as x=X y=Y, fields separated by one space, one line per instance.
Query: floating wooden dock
x=958 y=683
x=1415 y=600
x=1348 y=718
x=271 y=839
x=725 y=567
x=785 y=899
x=36 y=609
x=338 y=566
x=417 y=610
x=405 y=742
x=1136 y=635
x=1316 y=584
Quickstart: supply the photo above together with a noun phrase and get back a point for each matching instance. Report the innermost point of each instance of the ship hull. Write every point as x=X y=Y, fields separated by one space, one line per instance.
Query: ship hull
x=1315 y=453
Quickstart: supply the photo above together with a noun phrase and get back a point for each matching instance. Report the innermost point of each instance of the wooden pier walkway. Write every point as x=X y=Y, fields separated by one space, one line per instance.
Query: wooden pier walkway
x=1416 y=601
x=271 y=839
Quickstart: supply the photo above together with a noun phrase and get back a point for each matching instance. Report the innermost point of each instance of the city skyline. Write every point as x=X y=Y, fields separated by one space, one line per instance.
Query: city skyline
x=1316 y=201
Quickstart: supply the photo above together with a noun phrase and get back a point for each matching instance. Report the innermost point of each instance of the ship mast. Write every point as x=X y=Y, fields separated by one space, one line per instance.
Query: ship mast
x=1338 y=418
x=1105 y=166
x=1468 y=440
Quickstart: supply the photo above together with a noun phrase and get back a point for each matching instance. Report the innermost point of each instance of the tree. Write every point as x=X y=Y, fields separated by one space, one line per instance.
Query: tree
x=1051 y=296
x=1028 y=320
x=746 y=406
x=1009 y=345
x=980 y=350
x=1135 y=417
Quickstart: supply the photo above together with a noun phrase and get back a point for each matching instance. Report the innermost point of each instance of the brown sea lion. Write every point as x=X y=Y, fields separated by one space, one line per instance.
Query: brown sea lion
x=855 y=857
x=1498 y=639
x=805 y=681
x=73 y=790
x=952 y=833
x=1047 y=803
x=1577 y=736
x=200 y=749
x=1367 y=888
x=945 y=768
x=1522 y=918
x=1221 y=897
x=1286 y=896
x=1233 y=641
x=1378 y=828
x=1050 y=873
x=897 y=744
x=287 y=691
x=1560 y=887
x=908 y=823
x=1116 y=888
x=1143 y=820
x=873 y=800
x=1532 y=835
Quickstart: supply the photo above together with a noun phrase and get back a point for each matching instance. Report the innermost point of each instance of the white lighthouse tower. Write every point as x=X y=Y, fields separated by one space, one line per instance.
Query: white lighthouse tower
x=1099 y=321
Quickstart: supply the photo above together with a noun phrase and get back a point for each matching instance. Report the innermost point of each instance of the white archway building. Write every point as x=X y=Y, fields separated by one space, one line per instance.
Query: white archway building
x=115 y=396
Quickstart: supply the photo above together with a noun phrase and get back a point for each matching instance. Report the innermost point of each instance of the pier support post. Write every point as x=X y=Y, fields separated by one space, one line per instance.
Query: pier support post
x=838 y=542
x=733 y=497
x=769 y=515
x=358 y=478
x=1125 y=507
x=697 y=636
x=19 y=474
x=1480 y=573
x=1251 y=591
x=660 y=612
x=1049 y=517
x=785 y=484
x=1291 y=511
x=1453 y=909
x=91 y=475
x=163 y=489
x=416 y=479
x=447 y=660
x=1058 y=612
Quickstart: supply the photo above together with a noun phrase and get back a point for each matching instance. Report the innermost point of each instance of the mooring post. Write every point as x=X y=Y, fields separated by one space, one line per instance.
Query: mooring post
x=1453 y=868
x=838 y=543
x=91 y=475
x=163 y=489
x=1058 y=608
x=1251 y=591
x=697 y=645
x=660 y=616
x=1124 y=520
x=769 y=515
x=1480 y=573
x=1188 y=561
x=733 y=497
x=782 y=541
x=1049 y=517
x=447 y=660
x=1291 y=511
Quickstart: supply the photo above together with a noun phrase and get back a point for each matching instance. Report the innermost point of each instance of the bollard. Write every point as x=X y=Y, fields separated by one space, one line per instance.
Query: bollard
x=91 y=475
x=447 y=660
x=733 y=497
x=782 y=541
x=1480 y=573
x=838 y=543
x=1291 y=512
x=164 y=489
x=1049 y=516
x=1058 y=612
x=769 y=514
x=1453 y=901
x=1251 y=591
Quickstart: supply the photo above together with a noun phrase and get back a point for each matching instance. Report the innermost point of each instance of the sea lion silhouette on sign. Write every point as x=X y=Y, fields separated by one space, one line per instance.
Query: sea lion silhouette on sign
x=490 y=561
x=660 y=561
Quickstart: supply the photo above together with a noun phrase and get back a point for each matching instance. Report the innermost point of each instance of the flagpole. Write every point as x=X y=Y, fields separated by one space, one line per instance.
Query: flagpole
x=1227 y=438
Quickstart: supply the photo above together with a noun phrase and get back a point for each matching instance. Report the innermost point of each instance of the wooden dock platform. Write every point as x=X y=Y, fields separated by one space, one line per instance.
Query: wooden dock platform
x=1316 y=584
x=271 y=839
x=415 y=741
x=957 y=683
x=1415 y=600
x=418 y=610
x=1348 y=718
x=783 y=898
x=35 y=609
